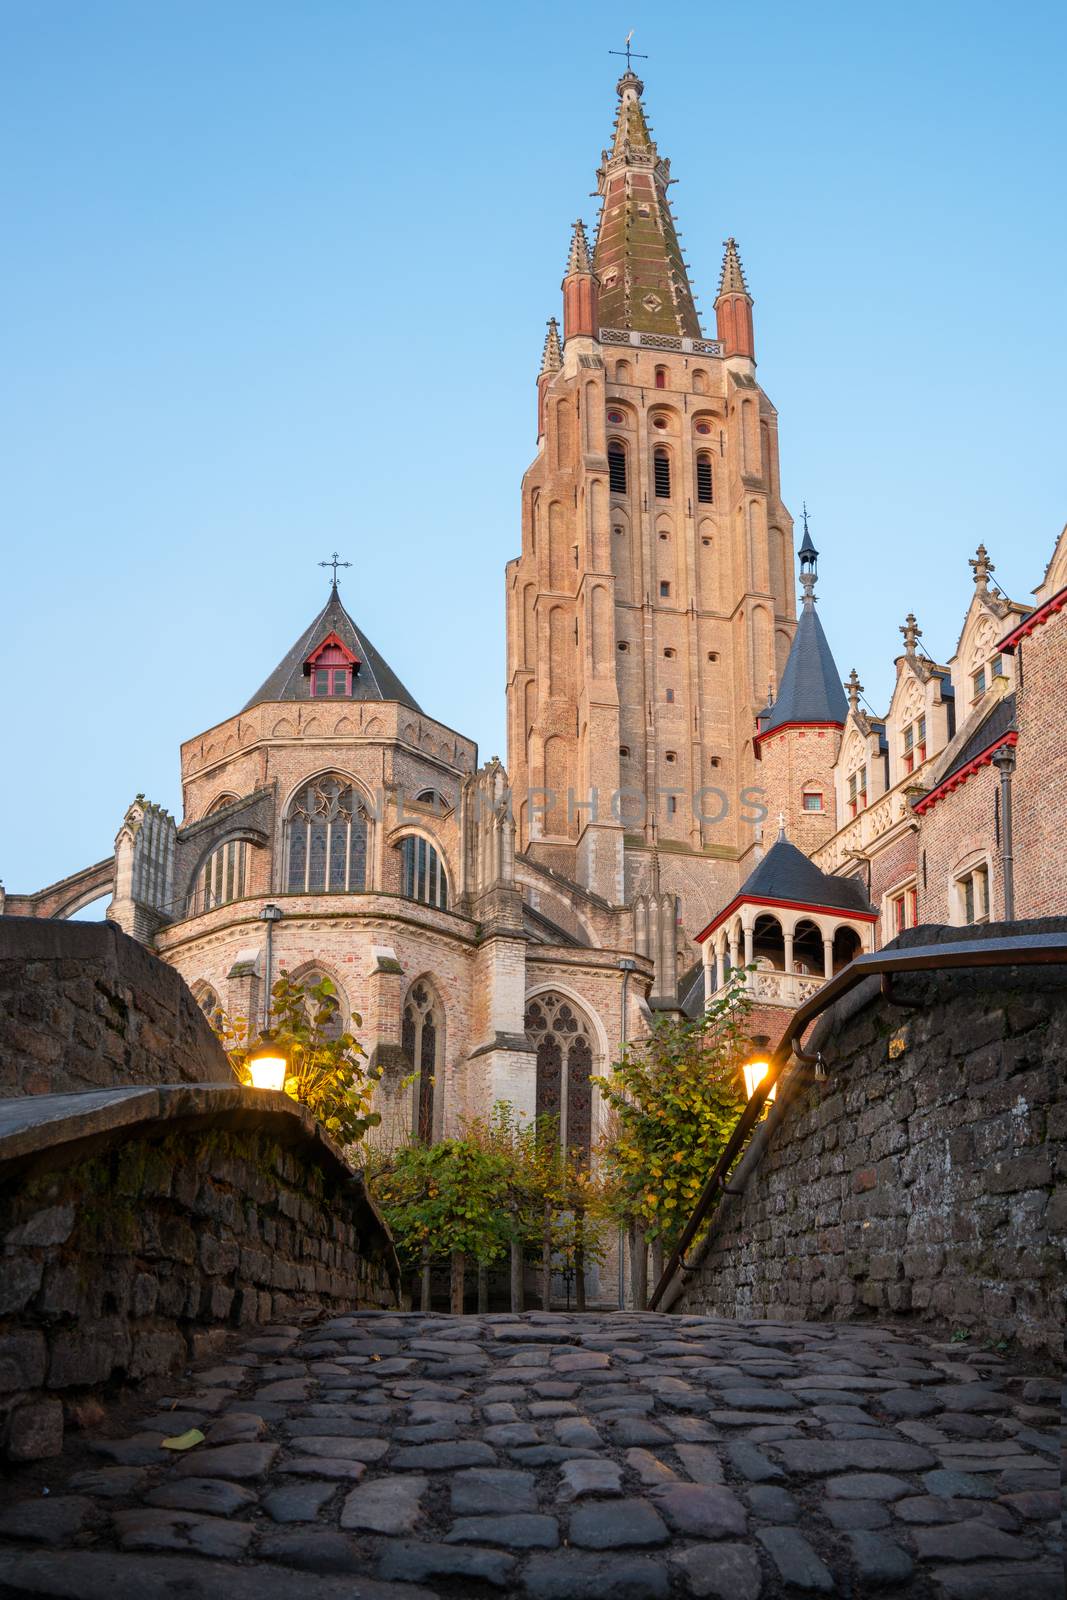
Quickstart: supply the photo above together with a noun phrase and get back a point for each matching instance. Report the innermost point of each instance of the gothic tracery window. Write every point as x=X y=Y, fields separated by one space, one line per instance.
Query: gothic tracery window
x=422 y=1039
x=221 y=878
x=327 y=839
x=422 y=872
x=563 y=1039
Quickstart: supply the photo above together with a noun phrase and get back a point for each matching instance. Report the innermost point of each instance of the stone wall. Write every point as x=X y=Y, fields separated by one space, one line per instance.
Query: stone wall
x=133 y=1222
x=924 y=1176
x=84 y=1007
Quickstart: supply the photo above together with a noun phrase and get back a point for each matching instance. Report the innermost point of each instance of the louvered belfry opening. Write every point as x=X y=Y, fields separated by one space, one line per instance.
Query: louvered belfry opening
x=704 y=484
x=661 y=463
x=616 y=468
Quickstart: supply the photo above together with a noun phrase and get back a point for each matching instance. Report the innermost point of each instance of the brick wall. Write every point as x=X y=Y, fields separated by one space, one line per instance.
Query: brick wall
x=1040 y=783
x=84 y=1007
x=919 y=1178
x=959 y=829
x=220 y=1208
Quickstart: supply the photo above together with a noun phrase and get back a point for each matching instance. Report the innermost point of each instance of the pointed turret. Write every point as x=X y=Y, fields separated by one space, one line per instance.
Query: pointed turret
x=733 y=306
x=644 y=286
x=581 y=318
x=551 y=362
x=333 y=645
x=811 y=692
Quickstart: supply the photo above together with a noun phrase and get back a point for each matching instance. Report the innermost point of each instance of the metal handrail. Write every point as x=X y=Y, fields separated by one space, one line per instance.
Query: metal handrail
x=1027 y=950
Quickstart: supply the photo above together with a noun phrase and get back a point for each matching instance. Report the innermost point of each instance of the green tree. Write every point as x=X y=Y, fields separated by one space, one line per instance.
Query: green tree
x=446 y=1201
x=674 y=1098
x=325 y=1071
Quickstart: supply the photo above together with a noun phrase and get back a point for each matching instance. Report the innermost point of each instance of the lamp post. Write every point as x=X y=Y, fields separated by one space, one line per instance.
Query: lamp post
x=1004 y=761
x=626 y=966
x=267 y=1065
x=270 y=915
x=755 y=1069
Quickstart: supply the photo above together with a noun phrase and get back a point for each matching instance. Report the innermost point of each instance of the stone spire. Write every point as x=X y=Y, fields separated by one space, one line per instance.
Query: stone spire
x=551 y=362
x=855 y=689
x=732 y=276
x=982 y=567
x=643 y=277
x=578 y=259
x=552 y=354
x=581 y=299
x=733 y=306
x=912 y=633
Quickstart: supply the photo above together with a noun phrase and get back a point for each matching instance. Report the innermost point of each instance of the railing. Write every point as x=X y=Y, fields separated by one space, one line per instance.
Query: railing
x=779 y=988
x=661 y=341
x=1029 y=950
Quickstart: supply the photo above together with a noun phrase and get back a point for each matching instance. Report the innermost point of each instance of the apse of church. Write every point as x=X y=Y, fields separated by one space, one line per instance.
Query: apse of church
x=652 y=606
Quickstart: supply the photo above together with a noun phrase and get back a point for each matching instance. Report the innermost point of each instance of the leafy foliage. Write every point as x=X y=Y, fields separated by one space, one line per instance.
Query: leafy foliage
x=674 y=1098
x=325 y=1071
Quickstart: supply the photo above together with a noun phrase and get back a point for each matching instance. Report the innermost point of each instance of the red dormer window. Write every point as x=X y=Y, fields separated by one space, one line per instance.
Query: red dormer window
x=332 y=668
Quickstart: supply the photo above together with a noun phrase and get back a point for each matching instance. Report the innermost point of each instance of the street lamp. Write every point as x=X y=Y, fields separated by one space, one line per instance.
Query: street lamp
x=270 y=914
x=756 y=1068
x=267 y=1065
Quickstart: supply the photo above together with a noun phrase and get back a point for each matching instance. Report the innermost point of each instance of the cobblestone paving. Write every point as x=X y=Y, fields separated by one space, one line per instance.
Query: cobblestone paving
x=392 y=1457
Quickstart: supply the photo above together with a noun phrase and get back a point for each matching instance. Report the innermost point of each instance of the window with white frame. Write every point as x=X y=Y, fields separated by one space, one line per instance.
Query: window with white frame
x=902 y=909
x=914 y=744
x=972 y=894
x=857 y=791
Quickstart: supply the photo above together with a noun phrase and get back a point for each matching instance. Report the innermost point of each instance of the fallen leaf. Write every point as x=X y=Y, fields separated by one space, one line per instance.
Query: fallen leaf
x=184 y=1441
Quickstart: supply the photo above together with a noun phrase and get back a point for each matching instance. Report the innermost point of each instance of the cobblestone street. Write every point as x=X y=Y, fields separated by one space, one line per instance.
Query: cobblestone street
x=623 y=1457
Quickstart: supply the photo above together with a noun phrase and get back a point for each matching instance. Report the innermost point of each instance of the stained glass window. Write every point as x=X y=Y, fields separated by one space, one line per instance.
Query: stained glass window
x=422 y=872
x=421 y=1038
x=327 y=839
x=562 y=1039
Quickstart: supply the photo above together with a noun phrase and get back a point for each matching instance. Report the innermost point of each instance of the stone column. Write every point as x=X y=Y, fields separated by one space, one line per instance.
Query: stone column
x=827 y=957
x=788 y=952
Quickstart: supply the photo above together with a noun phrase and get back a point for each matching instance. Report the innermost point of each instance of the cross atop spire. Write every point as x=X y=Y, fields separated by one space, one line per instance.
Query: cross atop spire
x=578 y=260
x=732 y=277
x=912 y=633
x=334 y=562
x=855 y=689
x=552 y=354
x=628 y=53
x=982 y=567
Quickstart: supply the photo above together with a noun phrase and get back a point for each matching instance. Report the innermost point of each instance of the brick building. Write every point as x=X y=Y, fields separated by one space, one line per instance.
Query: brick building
x=501 y=933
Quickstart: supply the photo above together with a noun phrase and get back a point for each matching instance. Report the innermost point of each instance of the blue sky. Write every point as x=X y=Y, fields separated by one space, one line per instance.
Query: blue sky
x=271 y=271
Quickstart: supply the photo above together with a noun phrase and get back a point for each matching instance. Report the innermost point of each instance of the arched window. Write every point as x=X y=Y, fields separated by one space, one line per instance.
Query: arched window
x=327 y=839
x=221 y=878
x=700 y=381
x=661 y=465
x=617 y=467
x=661 y=377
x=337 y=1023
x=704 y=484
x=422 y=872
x=563 y=1040
x=422 y=1041
x=623 y=372
x=209 y=1003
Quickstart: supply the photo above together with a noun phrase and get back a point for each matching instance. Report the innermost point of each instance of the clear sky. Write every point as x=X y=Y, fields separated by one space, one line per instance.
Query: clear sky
x=274 y=280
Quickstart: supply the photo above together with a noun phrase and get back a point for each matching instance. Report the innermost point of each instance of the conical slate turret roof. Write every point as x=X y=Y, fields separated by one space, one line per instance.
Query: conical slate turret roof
x=644 y=285
x=811 y=688
x=374 y=679
x=786 y=873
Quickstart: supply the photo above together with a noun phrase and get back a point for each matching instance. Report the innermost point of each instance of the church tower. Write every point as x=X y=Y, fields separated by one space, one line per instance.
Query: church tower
x=653 y=599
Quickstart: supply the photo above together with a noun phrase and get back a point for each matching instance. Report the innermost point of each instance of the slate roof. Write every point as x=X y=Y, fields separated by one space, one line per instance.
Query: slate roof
x=786 y=873
x=374 y=679
x=999 y=721
x=811 y=689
